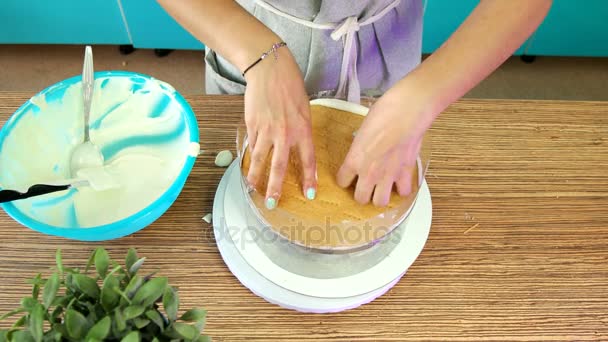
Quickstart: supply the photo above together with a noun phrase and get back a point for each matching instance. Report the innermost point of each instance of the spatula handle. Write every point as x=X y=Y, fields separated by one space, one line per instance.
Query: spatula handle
x=34 y=190
x=88 y=82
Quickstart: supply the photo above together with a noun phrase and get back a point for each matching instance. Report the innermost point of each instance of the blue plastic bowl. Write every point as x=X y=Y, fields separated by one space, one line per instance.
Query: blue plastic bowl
x=130 y=224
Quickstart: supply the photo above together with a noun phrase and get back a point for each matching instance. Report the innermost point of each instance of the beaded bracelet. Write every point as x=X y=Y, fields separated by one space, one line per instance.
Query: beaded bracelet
x=272 y=50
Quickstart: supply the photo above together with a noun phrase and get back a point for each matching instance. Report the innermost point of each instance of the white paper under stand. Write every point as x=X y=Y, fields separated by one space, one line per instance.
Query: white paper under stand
x=306 y=281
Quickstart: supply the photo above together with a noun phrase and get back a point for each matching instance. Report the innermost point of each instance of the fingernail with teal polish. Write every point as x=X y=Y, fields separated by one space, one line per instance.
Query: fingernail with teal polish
x=311 y=193
x=271 y=203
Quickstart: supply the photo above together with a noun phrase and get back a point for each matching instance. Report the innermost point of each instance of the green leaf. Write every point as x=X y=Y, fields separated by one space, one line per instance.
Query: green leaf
x=91 y=261
x=136 y=266
x=76 y=324
x=61 y=300
x=171 y=302
x=156 y=318
x=123 y=296
x=36 y=289
x=3 y=335
x=100 y=330
x=50 y=290
x=72 y=301
x=131 y=258
x=149 y=276
x=22 y=336
x=120 y=321
x=141 y=322
x=109 y=298
x=54 y=336
x=149 y=292
x=155 y=340
x=20 y=322
x=70 y=270
x=102 y=262
x=133 y=311
x=195 y=314
x=116 y=269
x=69 y=282
x=37 y=280
x=28 y=303
x=133 y=336
x=11 y=313
x=59 y=262
x=200 y=324
x=203 y=338
x=134 y=285
x=86 y=285
x=35 y=322
x=186 y=331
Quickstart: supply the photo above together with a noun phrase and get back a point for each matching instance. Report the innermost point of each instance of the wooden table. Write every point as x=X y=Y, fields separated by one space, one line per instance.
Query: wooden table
x=518 y=249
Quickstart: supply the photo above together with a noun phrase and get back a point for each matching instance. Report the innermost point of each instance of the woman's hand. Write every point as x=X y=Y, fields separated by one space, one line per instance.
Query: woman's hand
x=385 y=149
x=276 y=104
x=277 y=115
x=389 y=139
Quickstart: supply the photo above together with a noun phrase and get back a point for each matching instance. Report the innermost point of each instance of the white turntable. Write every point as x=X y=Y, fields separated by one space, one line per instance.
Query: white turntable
x=286 y=273
x=299 y=279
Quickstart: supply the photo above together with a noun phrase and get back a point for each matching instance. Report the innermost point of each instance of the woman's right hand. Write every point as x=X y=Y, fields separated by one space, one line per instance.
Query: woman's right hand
x=277 y=110
x=277 y=115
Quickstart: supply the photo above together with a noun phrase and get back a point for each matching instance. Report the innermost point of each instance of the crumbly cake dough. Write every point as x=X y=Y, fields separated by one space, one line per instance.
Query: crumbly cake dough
x=333 y=219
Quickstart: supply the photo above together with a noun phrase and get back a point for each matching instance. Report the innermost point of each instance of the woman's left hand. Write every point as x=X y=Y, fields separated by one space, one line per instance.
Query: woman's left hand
x=385 y=149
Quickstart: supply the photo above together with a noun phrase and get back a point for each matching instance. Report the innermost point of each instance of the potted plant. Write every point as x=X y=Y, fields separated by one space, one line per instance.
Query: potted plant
x=113 y=304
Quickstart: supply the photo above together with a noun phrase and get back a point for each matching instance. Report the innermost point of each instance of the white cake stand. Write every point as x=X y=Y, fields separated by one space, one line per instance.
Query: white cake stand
x=307 y=281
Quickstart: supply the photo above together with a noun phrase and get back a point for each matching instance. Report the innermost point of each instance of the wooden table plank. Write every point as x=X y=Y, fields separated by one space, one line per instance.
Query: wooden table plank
x=529 y=176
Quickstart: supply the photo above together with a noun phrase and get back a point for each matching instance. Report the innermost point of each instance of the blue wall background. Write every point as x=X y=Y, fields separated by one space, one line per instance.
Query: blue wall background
x=572 y=28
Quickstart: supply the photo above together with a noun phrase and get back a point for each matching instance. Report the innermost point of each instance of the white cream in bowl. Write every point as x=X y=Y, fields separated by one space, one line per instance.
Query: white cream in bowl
x=137 y=123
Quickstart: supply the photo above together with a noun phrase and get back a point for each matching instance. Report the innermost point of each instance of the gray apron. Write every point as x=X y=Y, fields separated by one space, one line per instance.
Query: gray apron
x=344 y=48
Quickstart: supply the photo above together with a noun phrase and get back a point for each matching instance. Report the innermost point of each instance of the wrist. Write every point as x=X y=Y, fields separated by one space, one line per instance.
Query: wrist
x=272 y=53
x=418 y=104
x=277 y=60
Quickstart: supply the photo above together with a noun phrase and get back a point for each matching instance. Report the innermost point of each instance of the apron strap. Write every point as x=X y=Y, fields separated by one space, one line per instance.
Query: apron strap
x=348 y=86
